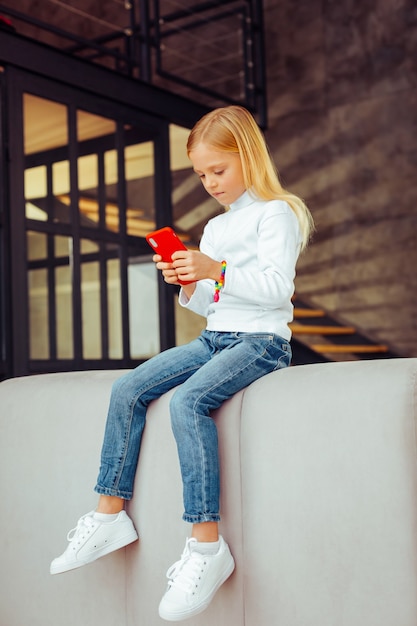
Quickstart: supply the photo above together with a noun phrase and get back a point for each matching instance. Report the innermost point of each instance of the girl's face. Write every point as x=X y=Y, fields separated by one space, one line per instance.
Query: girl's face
x=220 y=172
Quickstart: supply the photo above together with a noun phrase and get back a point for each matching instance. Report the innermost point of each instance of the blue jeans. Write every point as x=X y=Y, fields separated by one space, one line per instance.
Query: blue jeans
x=207 y=371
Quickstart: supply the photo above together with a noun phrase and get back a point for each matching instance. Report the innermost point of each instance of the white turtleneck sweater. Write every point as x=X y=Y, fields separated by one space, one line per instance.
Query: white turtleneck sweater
x=260 y=241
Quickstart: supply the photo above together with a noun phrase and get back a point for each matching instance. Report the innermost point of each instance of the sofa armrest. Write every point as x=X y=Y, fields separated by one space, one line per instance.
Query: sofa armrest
x=329 y=481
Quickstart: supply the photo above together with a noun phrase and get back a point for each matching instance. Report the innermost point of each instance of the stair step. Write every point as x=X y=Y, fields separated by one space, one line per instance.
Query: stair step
x=312 y=327
x=305 y=329
x=346 y=349
x=298 y=313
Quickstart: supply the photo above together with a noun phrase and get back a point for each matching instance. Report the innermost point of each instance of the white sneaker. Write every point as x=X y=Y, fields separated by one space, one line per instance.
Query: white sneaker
x=194 y=580
x=92 y=539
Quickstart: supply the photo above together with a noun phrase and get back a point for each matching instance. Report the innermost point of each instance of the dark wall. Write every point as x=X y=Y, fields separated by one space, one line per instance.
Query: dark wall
x=342 y=95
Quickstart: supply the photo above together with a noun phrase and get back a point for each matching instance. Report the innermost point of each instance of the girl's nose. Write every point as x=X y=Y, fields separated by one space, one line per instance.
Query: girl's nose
x=211 y=182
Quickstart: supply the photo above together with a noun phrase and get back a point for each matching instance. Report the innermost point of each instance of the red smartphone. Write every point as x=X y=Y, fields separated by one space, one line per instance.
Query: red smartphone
x=165 y=242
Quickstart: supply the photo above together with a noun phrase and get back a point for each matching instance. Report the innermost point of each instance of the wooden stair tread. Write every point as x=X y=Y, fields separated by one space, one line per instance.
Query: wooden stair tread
x=299 y=313
x=320 y=332
x=305 y=329
x=347 y=349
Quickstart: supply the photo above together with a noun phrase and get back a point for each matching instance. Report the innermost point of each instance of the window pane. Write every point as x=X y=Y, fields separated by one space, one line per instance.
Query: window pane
x=91 y=126
x=90 y=300
x=143 y=309
x=140 y=189
x=112 y=219
x=63 y=298
x=35 y=193
x=36 y=246
x=88 y=186
x=114 y=309
x=61 y=192
x=38 y=314
x=45 y=124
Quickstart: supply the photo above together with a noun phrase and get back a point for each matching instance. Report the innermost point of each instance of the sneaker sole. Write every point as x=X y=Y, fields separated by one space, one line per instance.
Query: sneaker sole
x=66 y=567
x=177 y=617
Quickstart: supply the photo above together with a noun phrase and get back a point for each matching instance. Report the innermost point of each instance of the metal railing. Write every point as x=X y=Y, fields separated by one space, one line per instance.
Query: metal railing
x=211 y=52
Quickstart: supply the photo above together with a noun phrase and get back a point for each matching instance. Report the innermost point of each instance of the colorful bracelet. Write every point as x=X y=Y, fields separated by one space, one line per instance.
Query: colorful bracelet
x=218 y=285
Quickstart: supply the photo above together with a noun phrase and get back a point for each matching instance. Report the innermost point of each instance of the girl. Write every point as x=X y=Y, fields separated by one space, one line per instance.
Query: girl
x=241 y=280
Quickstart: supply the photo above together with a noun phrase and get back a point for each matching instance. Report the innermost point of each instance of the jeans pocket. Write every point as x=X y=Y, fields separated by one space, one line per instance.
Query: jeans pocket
x=284 y=354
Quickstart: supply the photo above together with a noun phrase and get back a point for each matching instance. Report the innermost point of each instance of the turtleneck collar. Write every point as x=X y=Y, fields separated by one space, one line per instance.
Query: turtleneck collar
x=243 y=201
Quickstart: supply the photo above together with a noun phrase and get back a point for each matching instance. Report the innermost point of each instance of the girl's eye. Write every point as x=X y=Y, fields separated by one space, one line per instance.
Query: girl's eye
x=218 y=173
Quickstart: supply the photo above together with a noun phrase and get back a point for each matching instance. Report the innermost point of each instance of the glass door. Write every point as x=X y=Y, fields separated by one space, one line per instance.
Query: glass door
x=95 y=180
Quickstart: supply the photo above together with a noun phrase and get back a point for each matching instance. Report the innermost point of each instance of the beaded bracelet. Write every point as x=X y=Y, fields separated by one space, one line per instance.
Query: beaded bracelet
x=218 y=285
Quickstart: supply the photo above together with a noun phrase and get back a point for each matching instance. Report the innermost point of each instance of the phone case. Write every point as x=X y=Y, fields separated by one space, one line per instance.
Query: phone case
x=165 y=242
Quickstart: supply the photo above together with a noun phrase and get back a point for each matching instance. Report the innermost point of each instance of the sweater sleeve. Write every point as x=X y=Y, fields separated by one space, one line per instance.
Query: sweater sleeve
x=269 y=282
x=201 y=298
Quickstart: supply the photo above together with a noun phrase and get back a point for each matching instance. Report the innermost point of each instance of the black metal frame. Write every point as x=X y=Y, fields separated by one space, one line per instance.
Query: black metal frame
x=123 y=61
x=144 y=38
x=251 y=14
x=42 y=60
x=5 y=308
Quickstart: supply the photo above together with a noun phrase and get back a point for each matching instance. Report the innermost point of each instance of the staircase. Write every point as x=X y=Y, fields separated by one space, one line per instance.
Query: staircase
x=318 y=337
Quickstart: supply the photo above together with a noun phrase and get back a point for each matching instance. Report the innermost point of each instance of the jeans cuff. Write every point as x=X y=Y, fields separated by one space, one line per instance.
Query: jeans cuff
x=203 y=517
x=106 y=491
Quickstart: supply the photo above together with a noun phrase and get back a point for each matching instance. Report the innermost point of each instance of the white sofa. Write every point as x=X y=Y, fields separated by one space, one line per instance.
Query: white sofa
x=319 y=501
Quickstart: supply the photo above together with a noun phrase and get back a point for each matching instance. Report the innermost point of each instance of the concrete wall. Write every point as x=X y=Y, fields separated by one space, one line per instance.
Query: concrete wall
x=342 y=93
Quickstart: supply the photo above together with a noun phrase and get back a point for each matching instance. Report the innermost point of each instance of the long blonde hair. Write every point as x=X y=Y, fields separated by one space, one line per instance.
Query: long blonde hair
x=233 y=129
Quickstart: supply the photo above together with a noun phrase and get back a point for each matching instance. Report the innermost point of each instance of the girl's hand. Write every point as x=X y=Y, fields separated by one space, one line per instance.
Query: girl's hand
x=168 y=271
x=192 y=265
x=188 y=266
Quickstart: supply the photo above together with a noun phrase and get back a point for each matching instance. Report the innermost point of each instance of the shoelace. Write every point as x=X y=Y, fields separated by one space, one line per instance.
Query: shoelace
x=186 y=572
x=83 y=524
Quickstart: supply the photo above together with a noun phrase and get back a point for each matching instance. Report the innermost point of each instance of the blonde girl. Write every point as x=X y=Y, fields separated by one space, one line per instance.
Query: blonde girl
x=241 y=280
